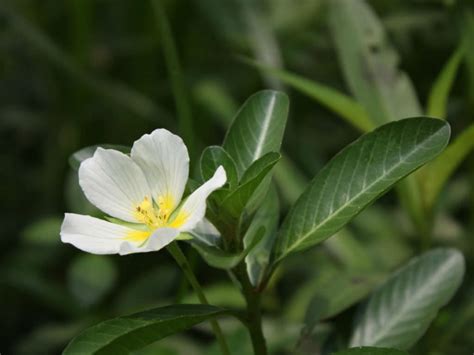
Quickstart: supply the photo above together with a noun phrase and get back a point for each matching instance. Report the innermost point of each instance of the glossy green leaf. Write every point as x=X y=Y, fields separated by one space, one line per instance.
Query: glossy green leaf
x=435 y=174
x=266 y=216
x=90 y=277
x=372 y=71
x=78 y=157
x=400 y=311
x=438 y=97
x=341 y=104
x=257 y=129
x=356 y=177
x=221 y=259
x=214 y=156
x=254 y=177
x=370 y=64
x=368 y=350
x=122 y=335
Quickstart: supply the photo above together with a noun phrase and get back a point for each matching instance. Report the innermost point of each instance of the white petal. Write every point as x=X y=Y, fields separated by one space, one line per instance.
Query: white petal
x=97 y=236
x=164 y=159
x=194 y=208
x=158 y=240
x=114 y=183
x=93 y=235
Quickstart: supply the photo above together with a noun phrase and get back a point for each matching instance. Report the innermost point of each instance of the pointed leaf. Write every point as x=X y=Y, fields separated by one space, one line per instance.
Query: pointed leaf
x=251 y=181
x=344 y=106
x=266 y=216
x=370 y=64
x=400 y=311
x=122 y=335
x=257 y=129
x=214 y=156
x=438 y=97
x=357 y=176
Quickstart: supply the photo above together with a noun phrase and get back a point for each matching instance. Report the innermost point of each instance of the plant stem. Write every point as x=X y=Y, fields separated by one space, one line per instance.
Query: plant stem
x=181 y=260
x=254 y=313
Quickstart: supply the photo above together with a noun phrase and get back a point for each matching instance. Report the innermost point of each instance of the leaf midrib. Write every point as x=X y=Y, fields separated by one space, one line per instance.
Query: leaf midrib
x=349 y=202
x=405 y=308
x=265 y=127
x=110 y=342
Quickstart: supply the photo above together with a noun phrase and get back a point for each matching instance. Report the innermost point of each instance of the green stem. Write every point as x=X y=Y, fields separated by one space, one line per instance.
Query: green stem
x=181 y=260
x=254 y=313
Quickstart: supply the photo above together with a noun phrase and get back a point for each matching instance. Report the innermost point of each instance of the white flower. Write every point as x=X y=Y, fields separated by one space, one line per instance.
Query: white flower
x=143 y=192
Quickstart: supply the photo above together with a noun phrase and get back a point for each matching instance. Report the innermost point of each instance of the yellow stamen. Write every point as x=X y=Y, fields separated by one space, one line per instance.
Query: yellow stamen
x=145 y=213
x=148 y=214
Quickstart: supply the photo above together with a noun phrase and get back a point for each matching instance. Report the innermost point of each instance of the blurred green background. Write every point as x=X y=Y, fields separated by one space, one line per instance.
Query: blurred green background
x=81 y=72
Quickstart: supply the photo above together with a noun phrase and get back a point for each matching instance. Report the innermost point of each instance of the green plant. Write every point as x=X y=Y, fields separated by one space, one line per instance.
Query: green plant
x=250 y=244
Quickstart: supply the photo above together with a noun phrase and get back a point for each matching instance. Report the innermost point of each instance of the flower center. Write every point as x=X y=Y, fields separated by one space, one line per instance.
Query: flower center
x=155 y=215
x=147 y=213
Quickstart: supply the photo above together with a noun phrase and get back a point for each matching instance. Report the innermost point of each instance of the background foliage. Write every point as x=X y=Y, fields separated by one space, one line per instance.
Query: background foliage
x=81 y=72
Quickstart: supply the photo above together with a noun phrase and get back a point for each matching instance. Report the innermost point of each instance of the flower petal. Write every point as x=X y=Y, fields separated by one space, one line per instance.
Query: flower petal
x=158 y=240
x=164 y=159
x=93 y=235
x=194 y=208
x=97 y=236
x=114 y=183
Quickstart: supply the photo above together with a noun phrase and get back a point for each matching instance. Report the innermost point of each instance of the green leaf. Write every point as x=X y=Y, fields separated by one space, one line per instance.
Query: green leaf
x=253 y=178
x=91 y=277
x=257 y=129
x=368 y=350
x=214 y=156
x=122 y=335
x=438 y=97
x=370 y=64
x=435 y=174
x=221 y=259
x=344 y=106
x=266 y=216
x=78 y=157
x=400 y=311
x=356 y=177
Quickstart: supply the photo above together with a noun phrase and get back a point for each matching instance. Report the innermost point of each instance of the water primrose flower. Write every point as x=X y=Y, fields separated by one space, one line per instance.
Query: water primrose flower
x=143 y=195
